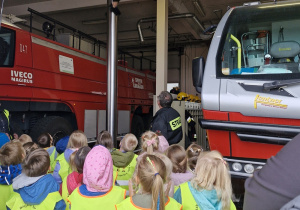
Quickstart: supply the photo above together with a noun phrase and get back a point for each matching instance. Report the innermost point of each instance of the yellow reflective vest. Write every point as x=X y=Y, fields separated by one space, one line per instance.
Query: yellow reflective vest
x=125 y=174
x=65 y=192
x=188 y=201
x=107 y=201
x=16 y=202
x=65 y=168
x=5 y=192
x=127 y=204
x=53 y=157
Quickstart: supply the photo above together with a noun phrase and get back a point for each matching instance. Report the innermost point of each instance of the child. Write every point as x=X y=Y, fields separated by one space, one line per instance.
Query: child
x=45 y=141
x=192 y=153
x=62 y=168
x=74 y=179
x=151 y=175
x=210 y=188
x=34 y=188
x=124 y=160
x=104 y=138
x=179 y=174
x=24 y=138
x=149 y=142
x=29 y=147
x=11 y=157
x=97 y=191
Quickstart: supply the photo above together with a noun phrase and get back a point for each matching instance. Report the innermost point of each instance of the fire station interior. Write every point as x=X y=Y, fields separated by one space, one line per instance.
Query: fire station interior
x=141 y=40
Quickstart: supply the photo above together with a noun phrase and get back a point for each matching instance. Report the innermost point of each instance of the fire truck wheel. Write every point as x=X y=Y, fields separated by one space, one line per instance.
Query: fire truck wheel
x=137 y=126
x=57 y=127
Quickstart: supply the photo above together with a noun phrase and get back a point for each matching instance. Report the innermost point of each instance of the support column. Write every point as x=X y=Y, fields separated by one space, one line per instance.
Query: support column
x=161 y=49
x=112 y=125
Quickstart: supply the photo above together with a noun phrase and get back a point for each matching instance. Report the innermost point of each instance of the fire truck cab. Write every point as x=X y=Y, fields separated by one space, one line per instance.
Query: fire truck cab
x=250 y=88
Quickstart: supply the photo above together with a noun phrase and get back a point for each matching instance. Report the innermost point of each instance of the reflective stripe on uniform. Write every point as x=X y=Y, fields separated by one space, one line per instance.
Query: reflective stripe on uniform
x=176 y=123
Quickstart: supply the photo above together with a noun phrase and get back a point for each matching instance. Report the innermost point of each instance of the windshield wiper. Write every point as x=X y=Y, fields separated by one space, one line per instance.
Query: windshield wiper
x=278 y=84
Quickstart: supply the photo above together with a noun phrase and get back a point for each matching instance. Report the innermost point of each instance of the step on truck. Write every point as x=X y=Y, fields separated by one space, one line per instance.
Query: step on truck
x=250 y=84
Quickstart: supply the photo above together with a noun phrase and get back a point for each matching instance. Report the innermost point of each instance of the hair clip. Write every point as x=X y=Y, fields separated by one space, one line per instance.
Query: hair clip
x=156 y=174
x=150 y=142
x=152 y=163
x=191 y=149
x=224 y=162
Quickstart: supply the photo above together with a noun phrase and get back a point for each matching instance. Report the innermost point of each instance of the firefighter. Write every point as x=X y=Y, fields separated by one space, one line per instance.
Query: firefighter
x=167 y=120
x=4 y=123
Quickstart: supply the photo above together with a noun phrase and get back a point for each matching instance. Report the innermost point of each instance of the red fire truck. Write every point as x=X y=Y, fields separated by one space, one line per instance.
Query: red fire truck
x=51 y=87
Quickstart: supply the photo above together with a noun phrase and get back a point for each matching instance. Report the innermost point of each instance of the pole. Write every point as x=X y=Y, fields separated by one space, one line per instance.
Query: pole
x=112 y=74
x=161 y=49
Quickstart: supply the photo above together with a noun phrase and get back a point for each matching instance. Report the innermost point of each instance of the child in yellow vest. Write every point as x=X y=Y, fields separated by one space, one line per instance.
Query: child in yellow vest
x=11 y=157
x=97 y=190
x=210 y=188
x=62 y=168
x=74 y=179
x=45 y=141
x=34 y=188
x=124 y=160
x=151 y=175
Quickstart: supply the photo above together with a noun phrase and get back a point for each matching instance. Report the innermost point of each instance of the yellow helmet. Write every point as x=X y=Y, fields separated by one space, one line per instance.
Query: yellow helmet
x=193 y=98
x=181 y=96
x=188 y=97
x=197 y=99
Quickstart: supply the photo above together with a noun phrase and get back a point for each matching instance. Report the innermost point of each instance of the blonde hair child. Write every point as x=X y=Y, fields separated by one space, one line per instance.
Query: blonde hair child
x=149 y=142
x=24 y=138
x=62 y=168
x=211 y=185
x=124 y=160
x=151 y=175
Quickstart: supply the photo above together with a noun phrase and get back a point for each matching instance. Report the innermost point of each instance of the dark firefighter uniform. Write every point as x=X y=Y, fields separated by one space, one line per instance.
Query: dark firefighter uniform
x=167 y=120
x=4 y=121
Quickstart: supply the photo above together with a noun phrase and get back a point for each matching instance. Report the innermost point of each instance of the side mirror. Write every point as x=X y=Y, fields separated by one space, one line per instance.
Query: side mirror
x=198 y=71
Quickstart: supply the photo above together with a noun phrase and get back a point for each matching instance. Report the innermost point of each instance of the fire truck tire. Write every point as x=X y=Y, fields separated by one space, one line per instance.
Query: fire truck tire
x=57 y=127
x=137 y=126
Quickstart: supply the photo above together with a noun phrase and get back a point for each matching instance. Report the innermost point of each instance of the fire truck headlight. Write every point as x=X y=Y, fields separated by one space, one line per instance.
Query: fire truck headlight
x=249 y=168
x=237 y=166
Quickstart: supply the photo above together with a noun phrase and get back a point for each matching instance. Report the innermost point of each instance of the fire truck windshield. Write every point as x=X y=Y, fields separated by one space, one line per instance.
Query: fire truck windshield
x=7 y=47
x=261 y=42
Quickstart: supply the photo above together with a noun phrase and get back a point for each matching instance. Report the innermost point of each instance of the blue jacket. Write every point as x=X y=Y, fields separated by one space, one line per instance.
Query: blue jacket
x=8 y=173
x=34 y=193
